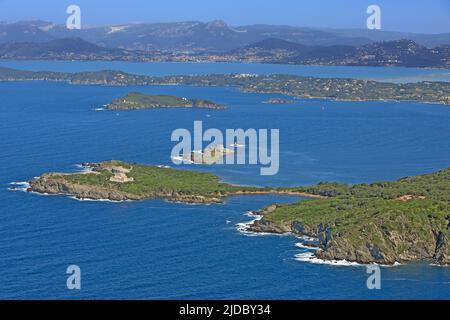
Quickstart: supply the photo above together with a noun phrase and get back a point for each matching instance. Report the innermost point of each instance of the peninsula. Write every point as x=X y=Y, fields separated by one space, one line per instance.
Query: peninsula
x=296 y=86
x=137 y=100
x=384 y=222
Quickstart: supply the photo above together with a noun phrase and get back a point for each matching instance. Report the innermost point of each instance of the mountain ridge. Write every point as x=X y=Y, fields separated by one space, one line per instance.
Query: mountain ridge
x=197 y=36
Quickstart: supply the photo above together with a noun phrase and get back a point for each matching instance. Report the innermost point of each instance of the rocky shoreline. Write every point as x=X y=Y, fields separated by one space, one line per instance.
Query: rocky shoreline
x=331 y=248
x=57 y=184
x=383 y=223
x=52 y=184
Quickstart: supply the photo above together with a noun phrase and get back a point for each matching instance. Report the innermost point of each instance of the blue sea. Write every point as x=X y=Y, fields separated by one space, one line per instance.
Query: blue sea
x=160 y=250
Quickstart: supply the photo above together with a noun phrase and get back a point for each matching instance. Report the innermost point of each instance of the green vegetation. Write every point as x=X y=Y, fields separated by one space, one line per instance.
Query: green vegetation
x=136 y=100
x=384 y=222
x=150 y=179
x=279 y=101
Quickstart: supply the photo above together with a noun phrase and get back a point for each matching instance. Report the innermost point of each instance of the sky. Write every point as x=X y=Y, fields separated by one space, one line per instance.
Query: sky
x=419 y=16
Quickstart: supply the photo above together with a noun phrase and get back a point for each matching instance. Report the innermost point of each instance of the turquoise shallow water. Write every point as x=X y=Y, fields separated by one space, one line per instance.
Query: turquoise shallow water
x=155 y=249
x=389 y=74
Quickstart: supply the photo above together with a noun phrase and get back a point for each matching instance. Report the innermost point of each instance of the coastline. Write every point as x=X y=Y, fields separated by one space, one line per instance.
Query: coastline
x=213 y=61
x=307 y=244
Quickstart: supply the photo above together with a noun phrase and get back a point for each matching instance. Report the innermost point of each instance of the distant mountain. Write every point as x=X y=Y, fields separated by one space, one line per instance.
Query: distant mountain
x=405 y=53
x=305 y=36
x=187 y=36
x=68 y=48
x=194 y=36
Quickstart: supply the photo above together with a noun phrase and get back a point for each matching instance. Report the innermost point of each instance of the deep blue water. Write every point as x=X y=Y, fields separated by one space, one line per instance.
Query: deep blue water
x=155 y=249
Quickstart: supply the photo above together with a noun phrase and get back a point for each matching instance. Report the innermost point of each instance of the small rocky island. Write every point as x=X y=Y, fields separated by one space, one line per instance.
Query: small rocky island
x=279 y=101
x=137 y=100
x=384 y=222
x=120 y=181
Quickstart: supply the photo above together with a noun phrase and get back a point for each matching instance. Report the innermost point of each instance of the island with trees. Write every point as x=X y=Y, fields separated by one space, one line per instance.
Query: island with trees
x=120 y=181
x=341 y=89
x=383 y=222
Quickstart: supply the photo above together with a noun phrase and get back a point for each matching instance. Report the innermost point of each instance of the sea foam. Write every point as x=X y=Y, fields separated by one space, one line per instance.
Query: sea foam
x=19 y=186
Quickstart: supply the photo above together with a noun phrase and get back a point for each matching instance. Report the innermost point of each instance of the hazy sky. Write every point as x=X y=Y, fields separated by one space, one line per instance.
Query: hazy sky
x=427 y=16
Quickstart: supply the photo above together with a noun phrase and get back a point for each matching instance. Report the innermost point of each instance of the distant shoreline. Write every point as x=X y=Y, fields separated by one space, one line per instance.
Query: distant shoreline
x=339 y=89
